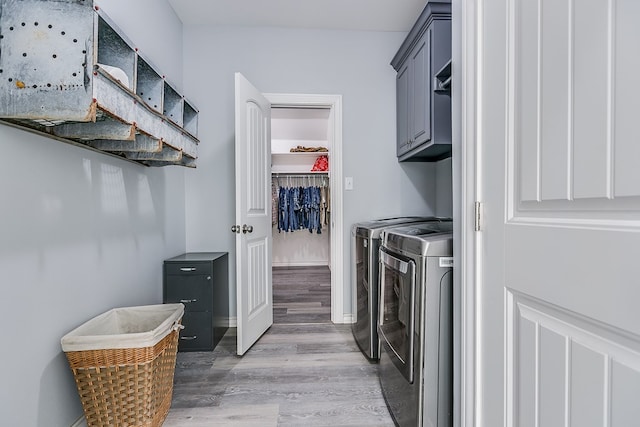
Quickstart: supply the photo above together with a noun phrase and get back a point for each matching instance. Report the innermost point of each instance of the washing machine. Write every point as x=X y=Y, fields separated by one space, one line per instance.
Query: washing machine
x=415 y=324
x=364 y=277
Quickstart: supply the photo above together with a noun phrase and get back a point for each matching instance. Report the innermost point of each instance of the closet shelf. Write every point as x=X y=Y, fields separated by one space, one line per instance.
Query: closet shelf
x=70 y=74
x=306 y=154
x=297 y=163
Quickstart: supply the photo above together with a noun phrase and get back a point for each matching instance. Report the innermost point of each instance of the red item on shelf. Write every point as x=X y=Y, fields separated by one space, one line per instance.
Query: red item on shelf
x=321 y=164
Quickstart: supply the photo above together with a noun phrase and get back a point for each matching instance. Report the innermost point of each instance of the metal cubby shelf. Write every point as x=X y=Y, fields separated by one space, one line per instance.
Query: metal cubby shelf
x=68 y=72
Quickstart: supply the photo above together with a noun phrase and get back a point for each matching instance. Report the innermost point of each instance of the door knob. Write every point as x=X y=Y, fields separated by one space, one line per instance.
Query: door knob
x=247 y=228
x=235 y=229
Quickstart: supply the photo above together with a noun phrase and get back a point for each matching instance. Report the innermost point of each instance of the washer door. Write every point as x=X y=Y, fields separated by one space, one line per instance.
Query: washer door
x=397 y=310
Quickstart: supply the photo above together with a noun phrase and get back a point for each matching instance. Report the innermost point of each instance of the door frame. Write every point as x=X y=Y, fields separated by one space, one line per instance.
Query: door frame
x=467 y=35
x=334 y=104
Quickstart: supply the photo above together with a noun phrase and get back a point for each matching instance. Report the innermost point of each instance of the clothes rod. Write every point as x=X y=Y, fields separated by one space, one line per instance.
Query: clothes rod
x=299 y=175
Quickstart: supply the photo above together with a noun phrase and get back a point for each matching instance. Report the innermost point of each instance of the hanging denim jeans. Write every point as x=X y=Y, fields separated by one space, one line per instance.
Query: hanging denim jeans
x=314 y=210
x=300 y=208
x=283 y=209
x=294 y=203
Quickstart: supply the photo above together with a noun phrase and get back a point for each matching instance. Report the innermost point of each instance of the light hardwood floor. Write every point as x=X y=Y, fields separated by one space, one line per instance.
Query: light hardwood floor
x=304 y=371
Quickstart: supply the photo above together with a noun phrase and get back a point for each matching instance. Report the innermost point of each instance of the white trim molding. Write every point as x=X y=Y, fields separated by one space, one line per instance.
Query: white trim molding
x=334 y=103
x=233 y=322
x=466 y=45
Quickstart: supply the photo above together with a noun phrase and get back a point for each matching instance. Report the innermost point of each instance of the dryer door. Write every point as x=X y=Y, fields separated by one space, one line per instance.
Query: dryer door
x=397 y=310
x=362 y=329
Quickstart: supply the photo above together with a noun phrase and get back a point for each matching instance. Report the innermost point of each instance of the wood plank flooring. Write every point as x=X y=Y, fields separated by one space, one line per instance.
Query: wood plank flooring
x=304 y=371
x=301 y=294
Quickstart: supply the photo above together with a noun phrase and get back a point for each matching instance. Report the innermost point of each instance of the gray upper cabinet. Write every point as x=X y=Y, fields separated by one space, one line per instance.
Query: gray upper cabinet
x=424 y=113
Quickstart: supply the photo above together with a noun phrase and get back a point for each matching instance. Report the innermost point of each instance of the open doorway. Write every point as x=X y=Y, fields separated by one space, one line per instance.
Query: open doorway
x=307 y=263
x=301 y=197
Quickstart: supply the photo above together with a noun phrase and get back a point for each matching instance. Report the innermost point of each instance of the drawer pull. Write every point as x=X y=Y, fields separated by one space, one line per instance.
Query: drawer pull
x=186 y=301
x=189 y=338
x=187 y=269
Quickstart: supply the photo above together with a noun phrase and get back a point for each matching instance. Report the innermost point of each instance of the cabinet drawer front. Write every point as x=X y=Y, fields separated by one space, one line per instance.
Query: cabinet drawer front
x=195 y=292
x=188 y=268
x=197 y=334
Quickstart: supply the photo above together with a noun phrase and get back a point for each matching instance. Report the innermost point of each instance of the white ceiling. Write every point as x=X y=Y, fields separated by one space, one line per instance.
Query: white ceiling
x=368 y=15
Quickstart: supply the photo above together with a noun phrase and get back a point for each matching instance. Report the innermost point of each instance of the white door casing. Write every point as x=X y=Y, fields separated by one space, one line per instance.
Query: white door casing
x=254 y=295
x=334 y=104
x=465 y=182
x=557 y=329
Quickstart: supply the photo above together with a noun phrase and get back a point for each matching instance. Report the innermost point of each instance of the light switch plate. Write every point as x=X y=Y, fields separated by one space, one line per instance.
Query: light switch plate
x=348 y=183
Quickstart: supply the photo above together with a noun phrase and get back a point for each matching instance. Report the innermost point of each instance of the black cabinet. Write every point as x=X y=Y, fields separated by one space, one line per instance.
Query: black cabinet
x=199 y=280
x=424 y=112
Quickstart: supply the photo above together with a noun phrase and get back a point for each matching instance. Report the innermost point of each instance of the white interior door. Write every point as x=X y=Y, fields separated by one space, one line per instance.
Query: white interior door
x=254 y=297
x=558 y=324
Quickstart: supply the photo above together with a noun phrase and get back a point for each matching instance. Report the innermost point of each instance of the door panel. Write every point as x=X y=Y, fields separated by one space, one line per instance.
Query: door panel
x=572 y=121
x=402 y=114
x=625 y=69
x=253 y=214
x=257 y=284
x=590 y=164
x=558 y=321
x=564 y=365
x=420 y=121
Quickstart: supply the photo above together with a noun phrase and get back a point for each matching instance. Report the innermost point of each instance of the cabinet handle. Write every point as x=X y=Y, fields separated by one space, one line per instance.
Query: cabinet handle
x=186 y=301
x=187 y=269
x=189 y=338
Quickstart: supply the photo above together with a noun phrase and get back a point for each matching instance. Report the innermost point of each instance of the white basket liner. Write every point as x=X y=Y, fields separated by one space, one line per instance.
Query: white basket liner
x=126 y=327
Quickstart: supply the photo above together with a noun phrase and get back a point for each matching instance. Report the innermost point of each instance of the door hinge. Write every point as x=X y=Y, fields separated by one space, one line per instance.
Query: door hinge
x=477 y=213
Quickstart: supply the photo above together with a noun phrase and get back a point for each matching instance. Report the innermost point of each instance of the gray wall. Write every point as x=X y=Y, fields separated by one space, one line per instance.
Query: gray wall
x=444 y=180
x=276 y=60
x=80 y=233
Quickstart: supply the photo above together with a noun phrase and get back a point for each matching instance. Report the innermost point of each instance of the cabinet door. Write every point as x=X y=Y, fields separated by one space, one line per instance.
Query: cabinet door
x=420 y=87
x=402 y=109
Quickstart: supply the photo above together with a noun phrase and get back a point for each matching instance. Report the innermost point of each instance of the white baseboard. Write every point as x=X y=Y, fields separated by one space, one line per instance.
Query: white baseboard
x=321 y=263
x=80 y=422
x=348 y=318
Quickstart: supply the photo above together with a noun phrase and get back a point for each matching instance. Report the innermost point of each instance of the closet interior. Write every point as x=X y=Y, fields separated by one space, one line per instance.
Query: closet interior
x=301 y=200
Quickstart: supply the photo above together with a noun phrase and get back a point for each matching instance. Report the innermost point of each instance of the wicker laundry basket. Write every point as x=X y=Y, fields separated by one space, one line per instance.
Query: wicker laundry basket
x=123 y=363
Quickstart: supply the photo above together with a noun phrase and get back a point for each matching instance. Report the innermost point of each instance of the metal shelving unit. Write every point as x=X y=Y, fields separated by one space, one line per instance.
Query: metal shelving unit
x=68 y=72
